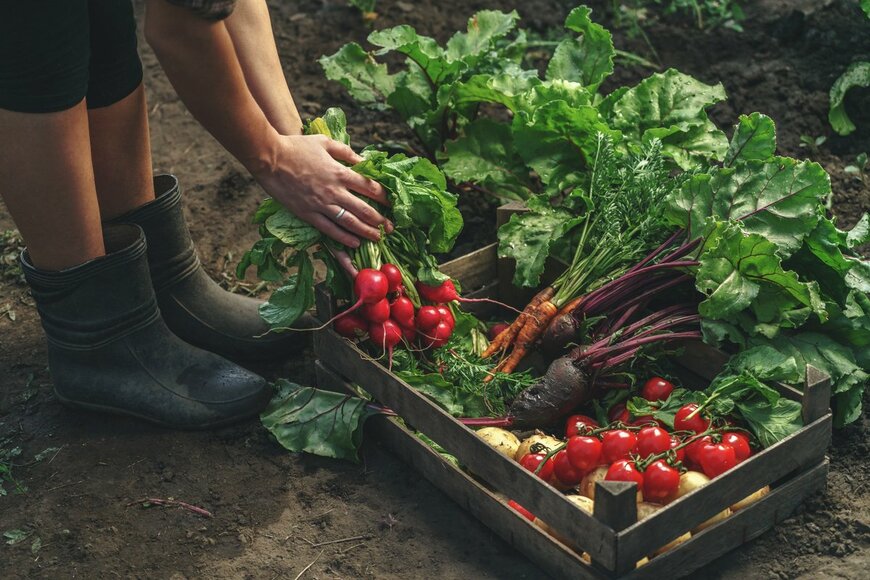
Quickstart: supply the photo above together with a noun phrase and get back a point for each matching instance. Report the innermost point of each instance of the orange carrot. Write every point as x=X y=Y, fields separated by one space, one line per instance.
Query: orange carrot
x=535 y=325
x=569 y=308
x=503 y=341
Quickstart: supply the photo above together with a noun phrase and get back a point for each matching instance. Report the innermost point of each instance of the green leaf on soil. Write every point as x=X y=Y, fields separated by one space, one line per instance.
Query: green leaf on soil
x=857 y=75
x=315 y=421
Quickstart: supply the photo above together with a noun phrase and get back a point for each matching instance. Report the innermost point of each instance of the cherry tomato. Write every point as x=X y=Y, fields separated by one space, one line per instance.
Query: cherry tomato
x=693 y=450
x=652 y=440
x=660 y=481
x=618 y=412
x=531 y=461
x=523 y=511
x=616 y=445
x=681 y=453
x=625 y=470
x=656 y=389
x=739 y=442
x=577 y=425
x=564 y=471
x=717 y=459
x=583 y=452
x=696 y=424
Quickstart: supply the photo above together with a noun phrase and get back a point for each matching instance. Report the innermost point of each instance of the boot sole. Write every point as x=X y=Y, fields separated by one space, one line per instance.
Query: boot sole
x=125 y=412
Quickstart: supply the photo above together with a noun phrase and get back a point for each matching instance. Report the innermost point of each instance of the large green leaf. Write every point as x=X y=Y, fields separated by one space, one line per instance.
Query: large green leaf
x=314 y=421
x=588 y=59
x=485 y=155
x=484 y=29
x=779 y=199
x=671 y=106
x=365 y=79
x=504 y=88
x=857 y=75
x=423 y=50
x=291 y=230
x=771 y=423
x=754 y=139
x=739 y=271
x=294 y=298
x=558 y=139
x=528 y=237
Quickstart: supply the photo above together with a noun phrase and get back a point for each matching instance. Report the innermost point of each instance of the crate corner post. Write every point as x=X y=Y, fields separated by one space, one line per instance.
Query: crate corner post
x=817 y=395
x=616 y=507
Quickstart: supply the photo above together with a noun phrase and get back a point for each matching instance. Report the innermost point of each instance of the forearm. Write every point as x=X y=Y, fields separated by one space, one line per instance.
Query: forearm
x=200 y=60
x=251 y=31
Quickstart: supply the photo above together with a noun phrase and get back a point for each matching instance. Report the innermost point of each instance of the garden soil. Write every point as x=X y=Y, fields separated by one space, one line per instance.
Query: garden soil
x=276 y=515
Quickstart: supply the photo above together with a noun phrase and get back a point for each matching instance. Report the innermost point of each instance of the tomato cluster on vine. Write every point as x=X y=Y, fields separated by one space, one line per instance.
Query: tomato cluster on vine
x=642 y=449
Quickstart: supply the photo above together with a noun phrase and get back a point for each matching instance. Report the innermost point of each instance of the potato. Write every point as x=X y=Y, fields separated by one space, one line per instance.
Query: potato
x=587 y=486
x=645 y=510
x=689 y=481
x=673 y=544
x=714 y=520
x=502 y=441
x=584 y=503
x=747 y=501
x=549 y=442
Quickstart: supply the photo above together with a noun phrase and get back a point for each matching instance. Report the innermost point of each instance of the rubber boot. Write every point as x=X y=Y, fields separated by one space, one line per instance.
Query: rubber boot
x=109 y=349
x=195 y=307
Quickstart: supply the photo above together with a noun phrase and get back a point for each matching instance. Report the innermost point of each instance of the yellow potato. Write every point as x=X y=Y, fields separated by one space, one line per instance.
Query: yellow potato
x=689 y=481
x=747 y=501
x=673 y=544
x=502 y=441
x=714 y=520
x=549 y=442
x=583 y=503
x=587 y=485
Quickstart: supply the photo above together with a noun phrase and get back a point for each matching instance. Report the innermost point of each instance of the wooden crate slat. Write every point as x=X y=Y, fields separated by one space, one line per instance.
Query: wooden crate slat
x=474 y=270
x=549 y=554
x=502 y=473
x=739 y=528
x=794 y=452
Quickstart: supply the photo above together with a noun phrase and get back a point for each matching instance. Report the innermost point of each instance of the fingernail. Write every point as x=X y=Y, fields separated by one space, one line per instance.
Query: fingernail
x=390 y=226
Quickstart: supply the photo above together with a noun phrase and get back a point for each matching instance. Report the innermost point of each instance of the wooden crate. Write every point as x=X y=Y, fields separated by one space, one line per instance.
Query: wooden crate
x=612 y=536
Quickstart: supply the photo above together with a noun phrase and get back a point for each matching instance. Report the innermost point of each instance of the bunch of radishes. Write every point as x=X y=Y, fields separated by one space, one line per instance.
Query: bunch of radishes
x=385 y=313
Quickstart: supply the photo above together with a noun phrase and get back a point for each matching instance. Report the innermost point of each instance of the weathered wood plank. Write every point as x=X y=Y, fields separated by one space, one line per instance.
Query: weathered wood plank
x=616 y=506
x=470 y=495
x=504 y=474
x=817 y=395
x=806 y=447
x=474 y=270
x=745 y=525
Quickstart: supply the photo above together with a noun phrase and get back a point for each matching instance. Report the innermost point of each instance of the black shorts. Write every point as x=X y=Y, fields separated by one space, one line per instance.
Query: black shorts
x=54 y=53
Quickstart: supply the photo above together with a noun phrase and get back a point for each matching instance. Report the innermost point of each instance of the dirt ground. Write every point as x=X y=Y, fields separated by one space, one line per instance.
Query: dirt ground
x=276 y=513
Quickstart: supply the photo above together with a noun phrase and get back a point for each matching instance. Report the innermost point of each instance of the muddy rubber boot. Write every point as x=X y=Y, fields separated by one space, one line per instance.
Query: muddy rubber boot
x=109 y=349
x=193 y=305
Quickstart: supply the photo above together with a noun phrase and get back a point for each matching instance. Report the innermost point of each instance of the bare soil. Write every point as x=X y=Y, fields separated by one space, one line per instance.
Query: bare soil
x=277 y=513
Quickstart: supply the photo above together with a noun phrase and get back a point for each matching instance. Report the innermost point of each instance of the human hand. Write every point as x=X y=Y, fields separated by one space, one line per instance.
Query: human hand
x=305 y=175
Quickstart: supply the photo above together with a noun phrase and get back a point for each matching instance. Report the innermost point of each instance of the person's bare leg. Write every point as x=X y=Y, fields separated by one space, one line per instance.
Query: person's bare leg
x=121 y=152
x=47 y=183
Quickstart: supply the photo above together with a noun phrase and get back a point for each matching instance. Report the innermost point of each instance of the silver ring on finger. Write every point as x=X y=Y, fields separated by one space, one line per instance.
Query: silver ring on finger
x=340 y=214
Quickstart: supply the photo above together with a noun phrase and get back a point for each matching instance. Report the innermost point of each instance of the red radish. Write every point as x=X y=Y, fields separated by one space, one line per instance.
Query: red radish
x=402 y=311
x=497 y=329
x=438 y=336
x=428 y=318
x=446 y=316
x=370 y=286
x=446 y=292
x=409 y=333
x=394 y=276
x=351 y=326
x=386 y=335
x=377 y=312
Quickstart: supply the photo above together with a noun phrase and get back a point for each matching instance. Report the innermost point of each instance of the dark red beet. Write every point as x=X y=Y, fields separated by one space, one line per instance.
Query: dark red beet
x=562 y=389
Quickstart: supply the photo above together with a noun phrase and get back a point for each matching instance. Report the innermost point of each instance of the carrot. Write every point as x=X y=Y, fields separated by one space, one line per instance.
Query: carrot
x=569 y=308
x=504 y=340
x=529 y=335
